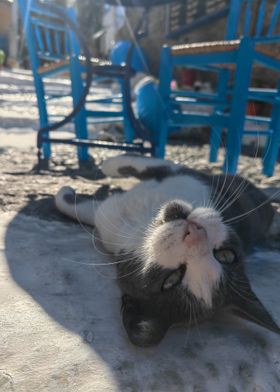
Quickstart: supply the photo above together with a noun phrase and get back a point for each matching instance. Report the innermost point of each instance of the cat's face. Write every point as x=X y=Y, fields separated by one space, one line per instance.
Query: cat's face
x=186 y=239
x=191 y=265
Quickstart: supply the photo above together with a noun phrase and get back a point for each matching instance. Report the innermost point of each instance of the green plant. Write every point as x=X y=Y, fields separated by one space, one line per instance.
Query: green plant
x=2 y=57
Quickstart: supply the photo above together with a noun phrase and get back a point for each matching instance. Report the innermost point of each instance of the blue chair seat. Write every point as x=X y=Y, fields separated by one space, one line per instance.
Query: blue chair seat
x=218 y=47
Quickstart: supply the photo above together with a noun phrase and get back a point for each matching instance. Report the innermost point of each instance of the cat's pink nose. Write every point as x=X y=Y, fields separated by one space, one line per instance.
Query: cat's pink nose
x=195 y=233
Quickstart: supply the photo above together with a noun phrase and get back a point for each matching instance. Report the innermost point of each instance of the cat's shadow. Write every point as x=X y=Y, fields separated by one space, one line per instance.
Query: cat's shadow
x=53 y=263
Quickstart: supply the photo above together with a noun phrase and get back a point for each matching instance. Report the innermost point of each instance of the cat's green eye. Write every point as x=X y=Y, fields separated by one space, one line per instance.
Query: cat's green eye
x=174 y=278
x=225 y=256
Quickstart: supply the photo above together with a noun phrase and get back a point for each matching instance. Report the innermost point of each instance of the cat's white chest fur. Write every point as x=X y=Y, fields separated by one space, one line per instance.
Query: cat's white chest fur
x=122 y=219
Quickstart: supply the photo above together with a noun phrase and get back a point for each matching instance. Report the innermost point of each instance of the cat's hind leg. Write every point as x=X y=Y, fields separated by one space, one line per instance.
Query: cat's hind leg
x=138 y=166
x=81 y=210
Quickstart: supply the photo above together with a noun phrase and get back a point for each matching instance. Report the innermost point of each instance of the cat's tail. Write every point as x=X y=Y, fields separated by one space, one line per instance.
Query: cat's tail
x=129 y=165
x=67 y=203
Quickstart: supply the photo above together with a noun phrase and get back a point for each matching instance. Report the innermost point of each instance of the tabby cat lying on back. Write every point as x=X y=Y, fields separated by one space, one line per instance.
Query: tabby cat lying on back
x=178 y=239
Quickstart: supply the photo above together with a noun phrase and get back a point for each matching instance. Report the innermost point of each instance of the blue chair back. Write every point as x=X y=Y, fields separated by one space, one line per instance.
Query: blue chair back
x=48 y=37
x=253 y=18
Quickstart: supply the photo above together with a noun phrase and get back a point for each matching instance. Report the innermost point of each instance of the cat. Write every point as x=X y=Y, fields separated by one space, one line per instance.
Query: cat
x=178 y=238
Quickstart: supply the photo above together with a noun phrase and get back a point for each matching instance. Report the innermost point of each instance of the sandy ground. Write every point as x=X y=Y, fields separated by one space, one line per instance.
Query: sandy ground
x=59 y=311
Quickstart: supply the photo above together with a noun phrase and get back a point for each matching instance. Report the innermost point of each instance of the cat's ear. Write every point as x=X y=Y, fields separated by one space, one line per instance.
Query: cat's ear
x=142 y=330
x=245 y=304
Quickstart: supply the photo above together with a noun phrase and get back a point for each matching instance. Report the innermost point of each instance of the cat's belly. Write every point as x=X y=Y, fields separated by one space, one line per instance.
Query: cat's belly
x=122 y=220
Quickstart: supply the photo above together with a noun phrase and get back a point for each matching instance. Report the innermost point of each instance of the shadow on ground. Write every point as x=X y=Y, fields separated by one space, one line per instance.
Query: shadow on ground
x=53 y=261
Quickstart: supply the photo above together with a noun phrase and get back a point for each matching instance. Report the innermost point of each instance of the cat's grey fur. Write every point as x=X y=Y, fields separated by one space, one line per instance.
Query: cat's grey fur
x=177 y=258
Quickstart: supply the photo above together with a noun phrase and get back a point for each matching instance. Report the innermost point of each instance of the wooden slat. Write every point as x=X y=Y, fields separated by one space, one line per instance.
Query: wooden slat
x=204 y=47
x=218 y=46
x=55 y=65
x=52 y=66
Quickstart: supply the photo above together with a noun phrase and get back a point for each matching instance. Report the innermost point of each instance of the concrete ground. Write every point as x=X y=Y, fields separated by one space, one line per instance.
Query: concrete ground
x=60 y=324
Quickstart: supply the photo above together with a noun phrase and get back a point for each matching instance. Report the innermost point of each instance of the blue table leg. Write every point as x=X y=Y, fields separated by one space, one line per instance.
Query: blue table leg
x=216 y=132
x=80 y=119
x=273 y=141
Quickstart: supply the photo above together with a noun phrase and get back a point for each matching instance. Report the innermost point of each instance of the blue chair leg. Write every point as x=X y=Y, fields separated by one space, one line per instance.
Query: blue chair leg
x=273 y=141
x=238 y=104
x=129 y=133
x=80 y=119
x=216 y=132
x=43 y=114
x=160 y=140
x=164 y=89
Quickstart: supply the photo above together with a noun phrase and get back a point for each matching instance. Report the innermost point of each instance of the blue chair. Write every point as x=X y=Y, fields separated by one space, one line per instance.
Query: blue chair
x=229 y=105
x=54 y=49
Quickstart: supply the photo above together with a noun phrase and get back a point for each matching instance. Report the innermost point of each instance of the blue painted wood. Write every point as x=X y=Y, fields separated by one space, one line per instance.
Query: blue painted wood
x=229 y=104
x=228 y=57
x=39 y=39
x=260 y=20
x=39 y=86
x=103 y=113
x=239 y=104
x=49 y=38
x=248 y=18
x=274 y=19
x=267 y=61
x=198 y=119
x=57 y=43
x=216 y=131
x=233 y=19
x=48 y=41
x=273 y=141
x=165 y=78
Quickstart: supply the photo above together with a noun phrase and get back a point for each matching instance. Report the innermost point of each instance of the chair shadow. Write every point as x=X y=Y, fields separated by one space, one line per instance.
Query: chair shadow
x=46 y=260
x=53 y=263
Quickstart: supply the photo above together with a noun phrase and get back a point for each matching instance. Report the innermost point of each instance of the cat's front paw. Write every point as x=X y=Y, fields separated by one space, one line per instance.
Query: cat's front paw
x=114 y=167
x=139 y=166
x=65 y=195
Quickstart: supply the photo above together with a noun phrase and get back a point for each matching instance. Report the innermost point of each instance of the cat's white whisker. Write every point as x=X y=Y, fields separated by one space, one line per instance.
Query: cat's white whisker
x=236 y=218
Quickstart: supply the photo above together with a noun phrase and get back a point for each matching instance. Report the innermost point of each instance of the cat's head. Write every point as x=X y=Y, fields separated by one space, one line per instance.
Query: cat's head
x=189 y=265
